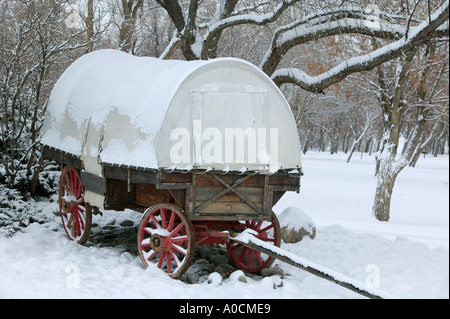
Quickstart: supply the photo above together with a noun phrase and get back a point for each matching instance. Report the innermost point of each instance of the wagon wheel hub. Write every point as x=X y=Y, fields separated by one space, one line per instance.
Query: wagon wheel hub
x=68 y=205
x=156 y=242
x=64 y=206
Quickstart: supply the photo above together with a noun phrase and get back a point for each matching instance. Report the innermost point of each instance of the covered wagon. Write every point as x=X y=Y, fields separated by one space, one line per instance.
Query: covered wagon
x=204 y=149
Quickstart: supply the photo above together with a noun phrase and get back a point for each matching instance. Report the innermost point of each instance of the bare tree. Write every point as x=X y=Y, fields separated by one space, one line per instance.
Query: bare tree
x=35 y=42
x=413 y=96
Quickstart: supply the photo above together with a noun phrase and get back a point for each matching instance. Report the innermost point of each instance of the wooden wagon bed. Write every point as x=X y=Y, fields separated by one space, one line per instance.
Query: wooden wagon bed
x=212 y=195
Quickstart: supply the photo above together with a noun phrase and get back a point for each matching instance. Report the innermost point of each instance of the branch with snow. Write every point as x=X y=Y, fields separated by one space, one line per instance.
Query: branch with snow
x=286 y=39
x=250 y=18
x=415 y=37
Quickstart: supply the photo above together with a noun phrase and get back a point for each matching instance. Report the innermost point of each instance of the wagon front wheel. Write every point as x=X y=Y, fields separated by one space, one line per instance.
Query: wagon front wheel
x=76 y=215
x=251 y=260
x=166 y=239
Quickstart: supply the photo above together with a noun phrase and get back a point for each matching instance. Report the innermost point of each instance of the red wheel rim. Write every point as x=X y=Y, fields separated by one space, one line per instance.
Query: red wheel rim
x=166 y=239
x=75 y=214
x=251 y=260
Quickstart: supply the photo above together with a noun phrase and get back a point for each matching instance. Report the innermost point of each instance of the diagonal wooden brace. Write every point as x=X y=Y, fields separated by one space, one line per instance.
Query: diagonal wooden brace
x=233 y=189
x=227 y=189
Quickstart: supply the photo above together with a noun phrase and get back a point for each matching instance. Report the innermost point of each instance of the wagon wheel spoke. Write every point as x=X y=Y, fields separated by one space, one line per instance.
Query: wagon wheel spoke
x=161 y=259
x=65 y=187
x=243 y=253
x=149 y=230
x=234 y=246
x=68 y=184
x=258 y=257
x=171 y=222
x=171 y=244
x=168 y=263
x=155 y=222
x=79 y=226
x=266 y=228
x=163 y=219
x=176 y=230
x=70 y=222
x=152 y=255
x=73 y=227
x=180 y=249
x=175 y=258
x=179 y=240
x=145 y=242
x=250 y=256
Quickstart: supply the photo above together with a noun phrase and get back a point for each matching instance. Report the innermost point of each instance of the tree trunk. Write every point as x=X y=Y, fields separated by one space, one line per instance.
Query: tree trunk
x=89 y=21
x=307 y=141
x=386 y=177
x=127 y=30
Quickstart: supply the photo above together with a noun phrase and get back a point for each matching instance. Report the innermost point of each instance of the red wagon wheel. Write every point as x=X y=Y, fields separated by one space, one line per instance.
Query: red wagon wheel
x=76 y=215
x=251 y=260
x=166 y=238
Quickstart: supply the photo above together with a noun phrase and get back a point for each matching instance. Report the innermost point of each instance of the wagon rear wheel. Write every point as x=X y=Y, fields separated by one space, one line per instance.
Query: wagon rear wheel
x=76 y=215
x=251 y=260
x=166 y=238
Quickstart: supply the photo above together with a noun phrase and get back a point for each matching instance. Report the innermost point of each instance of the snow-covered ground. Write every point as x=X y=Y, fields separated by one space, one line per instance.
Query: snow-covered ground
x=407 y=257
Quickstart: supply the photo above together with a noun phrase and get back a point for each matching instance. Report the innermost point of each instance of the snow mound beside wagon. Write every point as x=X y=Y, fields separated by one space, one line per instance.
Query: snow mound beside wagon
x=296 y=224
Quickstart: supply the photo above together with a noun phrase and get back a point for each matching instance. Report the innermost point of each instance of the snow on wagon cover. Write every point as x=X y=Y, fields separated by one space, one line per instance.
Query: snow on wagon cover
x=222 y=114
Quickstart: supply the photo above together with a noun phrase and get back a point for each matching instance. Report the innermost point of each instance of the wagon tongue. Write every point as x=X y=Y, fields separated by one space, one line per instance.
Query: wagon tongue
x=248 y=239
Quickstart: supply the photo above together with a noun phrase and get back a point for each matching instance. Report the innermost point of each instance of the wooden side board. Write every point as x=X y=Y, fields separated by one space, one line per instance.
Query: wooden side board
x=63 y=158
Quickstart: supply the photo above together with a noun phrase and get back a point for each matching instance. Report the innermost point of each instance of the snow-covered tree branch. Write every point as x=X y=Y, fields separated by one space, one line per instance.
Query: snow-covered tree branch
x=415 y=37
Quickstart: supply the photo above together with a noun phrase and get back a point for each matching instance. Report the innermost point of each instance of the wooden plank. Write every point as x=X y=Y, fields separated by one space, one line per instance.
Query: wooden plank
x=226 y=217
x=252 y=193
x=175 y=177
x=231 y=208
x=117 y=193
x=284 y=180
x=115 y=172
x=93 y=183
x=227 y=189
x=62 y=158
x=254 y=181
x=148 y=177
x=267 y=195
x=148 y=195
x=175 y=180
x=251 y=180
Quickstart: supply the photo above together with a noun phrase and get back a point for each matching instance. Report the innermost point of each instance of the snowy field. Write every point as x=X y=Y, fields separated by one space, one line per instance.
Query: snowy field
x=408 y=257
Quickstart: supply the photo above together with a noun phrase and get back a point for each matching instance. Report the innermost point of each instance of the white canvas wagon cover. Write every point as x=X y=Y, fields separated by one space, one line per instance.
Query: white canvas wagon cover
x=221 y=114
